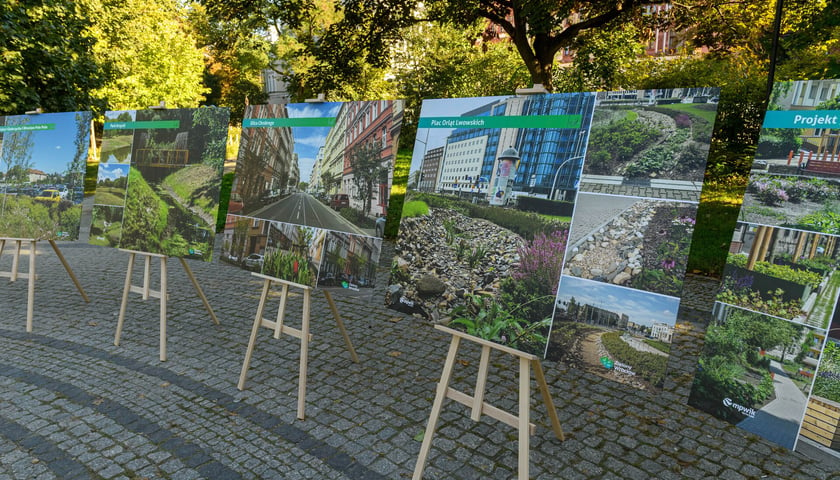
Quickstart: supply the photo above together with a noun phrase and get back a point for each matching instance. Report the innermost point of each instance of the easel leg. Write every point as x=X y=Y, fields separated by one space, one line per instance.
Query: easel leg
x=480 y=384
x=281 y=311
x=253 y=340
x=124 y=303
x=524 y=414
x=440 y=396
x=343 y=330
x=200 y=291
x=147 y=273
x=163 y=295
x=69 y=270
x=304 y=354
x=549 y=404
x=30 y=302
x=15 y=261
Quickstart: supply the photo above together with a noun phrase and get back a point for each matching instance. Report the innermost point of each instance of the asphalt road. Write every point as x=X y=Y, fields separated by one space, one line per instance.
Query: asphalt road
x=304 y=209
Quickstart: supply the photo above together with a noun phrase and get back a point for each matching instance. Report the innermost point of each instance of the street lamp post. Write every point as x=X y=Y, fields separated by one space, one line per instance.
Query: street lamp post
x=557 y=173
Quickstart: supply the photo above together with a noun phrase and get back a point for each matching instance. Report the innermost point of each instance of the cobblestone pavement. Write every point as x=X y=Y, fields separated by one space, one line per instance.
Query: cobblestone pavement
x=74 y=406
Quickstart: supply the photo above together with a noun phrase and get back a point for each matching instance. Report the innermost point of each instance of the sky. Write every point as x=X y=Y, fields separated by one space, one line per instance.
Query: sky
x=641 y=307
x=112 y=171
x=53 y=150
x=429 y=138
x=309 y=139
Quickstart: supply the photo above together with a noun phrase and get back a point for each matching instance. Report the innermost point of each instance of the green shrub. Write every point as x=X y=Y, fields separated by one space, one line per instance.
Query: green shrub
x=415 y=208
x=649 y=366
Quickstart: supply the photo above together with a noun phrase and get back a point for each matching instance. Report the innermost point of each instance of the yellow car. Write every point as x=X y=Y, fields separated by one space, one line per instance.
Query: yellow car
x=49 y=195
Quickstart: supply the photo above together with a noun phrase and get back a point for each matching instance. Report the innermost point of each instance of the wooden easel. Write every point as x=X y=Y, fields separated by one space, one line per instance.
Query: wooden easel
x=280 y=328
x=13 y=274
x=479 y=406
x=162 y=294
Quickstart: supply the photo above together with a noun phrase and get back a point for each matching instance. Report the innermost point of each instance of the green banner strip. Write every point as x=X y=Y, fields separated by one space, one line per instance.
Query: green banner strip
x=288 y=122
x=27 y=128
x=511 y=121
x=149 y=125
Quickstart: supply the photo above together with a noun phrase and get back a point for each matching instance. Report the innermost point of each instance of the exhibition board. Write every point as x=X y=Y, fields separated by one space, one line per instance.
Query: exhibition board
x=770 y=363
x=157 y=187
x=43 y=159
x=557 y=224
x=311 y=191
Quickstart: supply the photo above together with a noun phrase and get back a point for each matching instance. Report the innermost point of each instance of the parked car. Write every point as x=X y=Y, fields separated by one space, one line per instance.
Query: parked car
x=49 y=196
x=339 y=201
x=327 y=280
x=235 y=205
x=254 y=261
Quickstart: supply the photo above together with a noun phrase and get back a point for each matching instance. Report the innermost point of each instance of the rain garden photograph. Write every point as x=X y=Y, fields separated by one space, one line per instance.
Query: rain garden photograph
x=161 y=174
x=634 y=242
x=756 y=371
x=42 y=168
x=612 y=331
x=790 y=274
x=793 y=201
x=665 y=135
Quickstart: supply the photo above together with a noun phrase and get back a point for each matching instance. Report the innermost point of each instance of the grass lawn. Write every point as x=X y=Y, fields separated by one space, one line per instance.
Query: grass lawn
x=110 y=196
x=708 y=115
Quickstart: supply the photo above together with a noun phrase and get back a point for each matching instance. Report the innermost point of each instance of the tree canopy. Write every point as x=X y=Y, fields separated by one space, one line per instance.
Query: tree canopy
x=47 y=57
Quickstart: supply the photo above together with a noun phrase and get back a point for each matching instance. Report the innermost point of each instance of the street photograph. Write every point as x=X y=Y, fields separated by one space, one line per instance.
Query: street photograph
x=322 y=168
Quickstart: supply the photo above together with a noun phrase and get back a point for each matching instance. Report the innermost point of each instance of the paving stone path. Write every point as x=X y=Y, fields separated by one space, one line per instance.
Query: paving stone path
x=74 y=406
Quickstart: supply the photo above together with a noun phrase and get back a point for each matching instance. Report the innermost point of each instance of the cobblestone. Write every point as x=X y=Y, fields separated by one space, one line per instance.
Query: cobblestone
x=76 y=406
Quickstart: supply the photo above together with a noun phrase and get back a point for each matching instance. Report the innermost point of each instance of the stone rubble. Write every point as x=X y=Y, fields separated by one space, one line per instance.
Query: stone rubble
x=613 y=253
x=428 y=277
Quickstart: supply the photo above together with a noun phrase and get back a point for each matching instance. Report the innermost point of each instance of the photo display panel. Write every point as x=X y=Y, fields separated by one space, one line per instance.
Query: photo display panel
x=557 y=224
x=311 y=191
x=43 y=159
x=157 y=187
x=770 y=363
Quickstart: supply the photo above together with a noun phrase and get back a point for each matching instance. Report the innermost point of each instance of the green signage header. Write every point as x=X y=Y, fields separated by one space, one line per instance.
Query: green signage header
x=511 y=121
x=27 y=128
x=148 y=125
x=288 y=122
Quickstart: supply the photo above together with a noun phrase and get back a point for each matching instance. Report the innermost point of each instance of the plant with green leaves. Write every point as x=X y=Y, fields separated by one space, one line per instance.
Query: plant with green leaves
x=486 y=318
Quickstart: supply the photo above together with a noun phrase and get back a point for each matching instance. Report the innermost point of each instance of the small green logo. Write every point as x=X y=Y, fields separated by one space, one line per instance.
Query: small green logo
x=607 y=363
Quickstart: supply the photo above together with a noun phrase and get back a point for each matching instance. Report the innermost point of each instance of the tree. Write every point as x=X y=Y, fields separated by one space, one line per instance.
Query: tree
x=328 y=182
x=150 y=52
x=48 y=58
x=361 y=38
x=538 y=29
x=235 y=59
x=17 y=151
x=368 y=171
x=76 y=167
